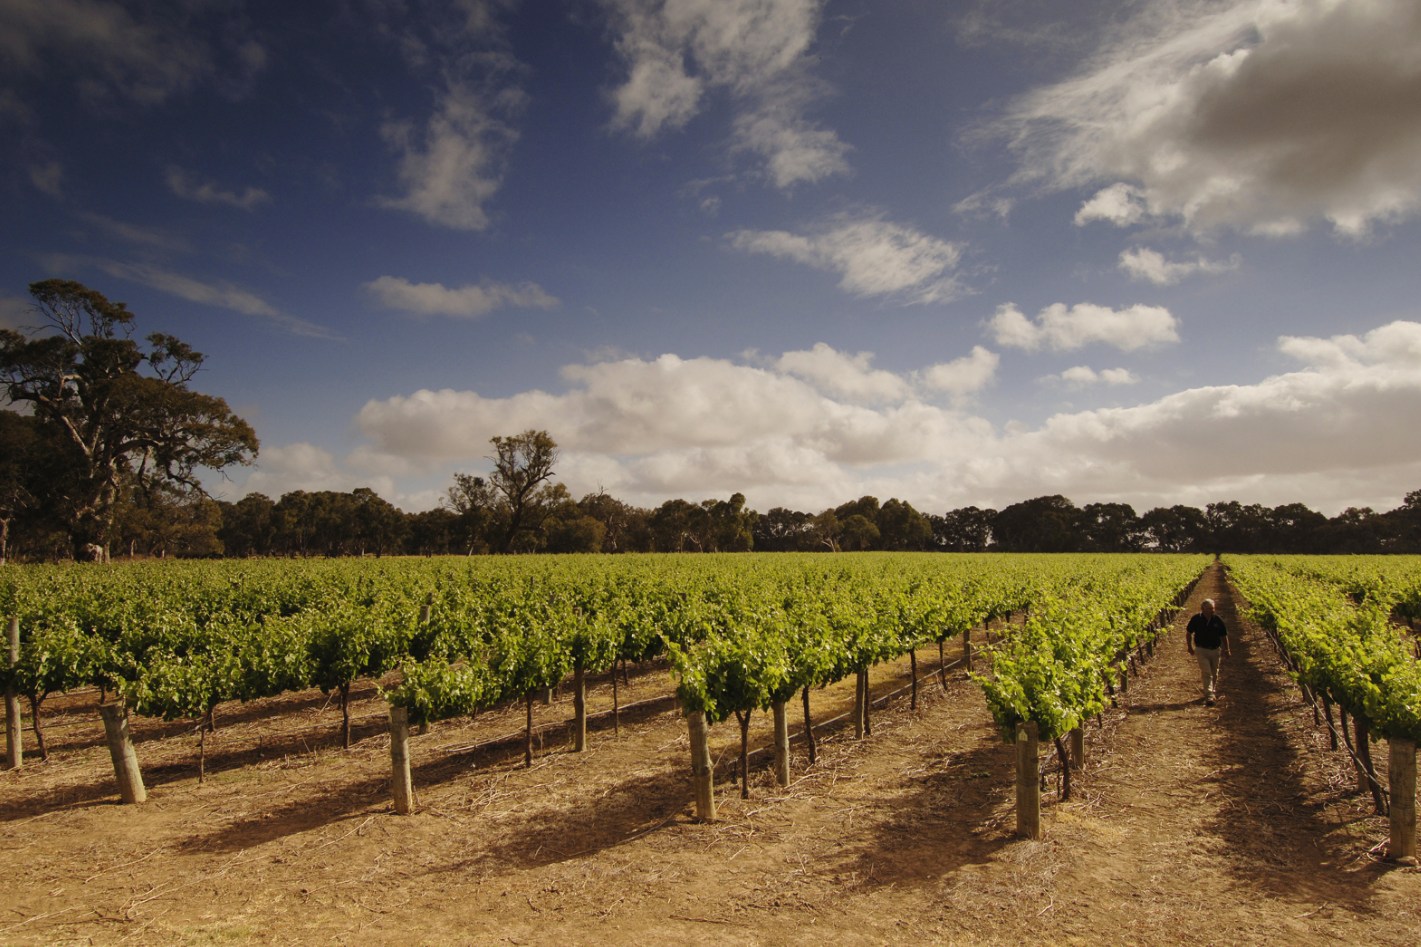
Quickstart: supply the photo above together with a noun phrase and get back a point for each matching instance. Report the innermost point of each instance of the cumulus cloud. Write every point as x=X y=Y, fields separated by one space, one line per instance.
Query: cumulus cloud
x=647 y=430
x=1257 y=115
x=304 y=466
x=756 y=51
x=205 y=192
x=872 y=256
x=466 y=302
x=648 y=427
x=1082 y=376
x=1063 y=329
x=1150 y=265
x=966 y=375
x=839 y=373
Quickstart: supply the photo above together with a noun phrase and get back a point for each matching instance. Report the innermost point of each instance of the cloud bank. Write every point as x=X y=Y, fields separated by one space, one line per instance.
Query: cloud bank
x=816 y=427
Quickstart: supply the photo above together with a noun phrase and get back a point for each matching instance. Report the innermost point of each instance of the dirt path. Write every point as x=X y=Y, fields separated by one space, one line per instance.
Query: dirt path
x=1230 y=824
x=1225 y=823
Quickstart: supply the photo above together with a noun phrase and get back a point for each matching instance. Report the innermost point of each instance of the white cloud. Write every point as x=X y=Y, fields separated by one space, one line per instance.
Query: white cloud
x=648 y=430
x=468 y=302
x=1081 y=376
x=966 y=375
x=1258 y=115
x=839 y=373
x=756 y=51
x=872 y=256
x=304 y=466
x=1118 y=204
x=1151 y=265
x=205 y=192
x=221 y=294
x=1063 y=329
x=452 y=167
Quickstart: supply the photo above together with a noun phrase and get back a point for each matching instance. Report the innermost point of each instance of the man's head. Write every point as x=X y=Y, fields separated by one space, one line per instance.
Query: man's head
x=1206 y=608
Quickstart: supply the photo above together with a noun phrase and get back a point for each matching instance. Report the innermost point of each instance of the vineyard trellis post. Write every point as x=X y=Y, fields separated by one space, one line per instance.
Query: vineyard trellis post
x=125 y=758
x=14 y=742
x=401 y=783
x=1402 y=778
x=1028 y=781
x=702 y=772
x=1077 y=753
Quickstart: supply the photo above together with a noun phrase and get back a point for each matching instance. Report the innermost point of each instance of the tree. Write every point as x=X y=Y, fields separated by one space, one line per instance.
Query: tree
x=900 y=527
x=522 y=464
x=1041 y=524
x=473 y=500
x=1111 y=527
x=248 y=526
x=968 y=529
x=1177 y=528
x=120 y=408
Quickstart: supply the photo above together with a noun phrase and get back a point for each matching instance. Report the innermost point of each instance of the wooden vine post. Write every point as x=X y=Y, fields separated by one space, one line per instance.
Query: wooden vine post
x=401 y=784
x=967 y=649
x=702 y=773
x=1077 y=748
x=781 y=743
x=125 y=759
x=14 y=744
x=1402 y=778
x=1028 y=781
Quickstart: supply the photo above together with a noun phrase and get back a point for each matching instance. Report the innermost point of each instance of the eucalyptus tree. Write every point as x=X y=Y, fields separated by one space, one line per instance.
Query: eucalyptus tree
x=120 y=407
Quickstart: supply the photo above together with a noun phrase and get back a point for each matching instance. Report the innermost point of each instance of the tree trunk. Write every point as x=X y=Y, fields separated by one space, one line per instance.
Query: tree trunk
x=528 y=733
x=743 y=718
x=860 y=704
x=1064 y=758
x=579 y=709
x=35 y=704
x=1028 y=781
x=781 y=743
x=616 y=704
x=345 y=714
x=1364 y=752
x=913 y=665
x=809 y=729
x=125 y=760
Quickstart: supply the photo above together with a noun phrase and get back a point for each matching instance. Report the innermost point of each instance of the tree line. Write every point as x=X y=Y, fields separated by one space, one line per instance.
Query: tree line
x=103 y=458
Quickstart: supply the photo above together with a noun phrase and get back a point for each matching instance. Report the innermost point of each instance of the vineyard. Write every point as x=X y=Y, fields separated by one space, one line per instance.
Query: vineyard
x=535 y=664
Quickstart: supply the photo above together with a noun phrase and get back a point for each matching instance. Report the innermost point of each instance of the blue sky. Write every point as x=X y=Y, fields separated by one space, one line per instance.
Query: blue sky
x=1158 y=251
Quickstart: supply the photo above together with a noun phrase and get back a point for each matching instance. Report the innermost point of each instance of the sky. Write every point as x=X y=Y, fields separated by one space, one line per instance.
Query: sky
x=959 y=253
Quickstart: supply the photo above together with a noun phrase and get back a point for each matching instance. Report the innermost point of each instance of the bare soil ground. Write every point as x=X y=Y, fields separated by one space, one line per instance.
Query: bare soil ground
x=1190 y=825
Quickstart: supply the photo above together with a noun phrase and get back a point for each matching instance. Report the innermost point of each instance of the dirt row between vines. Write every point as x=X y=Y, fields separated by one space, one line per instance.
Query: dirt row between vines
x=1189 y=825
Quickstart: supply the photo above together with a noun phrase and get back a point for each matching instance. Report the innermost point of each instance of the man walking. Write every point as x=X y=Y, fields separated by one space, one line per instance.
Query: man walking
x=1208 y=641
